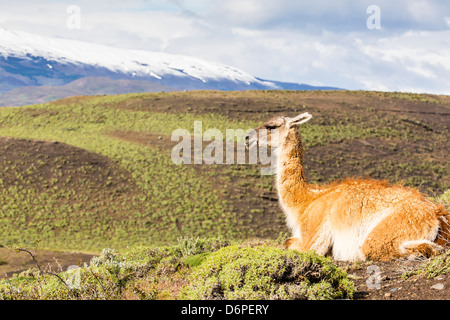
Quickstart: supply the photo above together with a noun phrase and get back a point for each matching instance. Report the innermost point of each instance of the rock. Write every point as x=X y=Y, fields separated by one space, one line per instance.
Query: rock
x=438 y=286
x=387 y=294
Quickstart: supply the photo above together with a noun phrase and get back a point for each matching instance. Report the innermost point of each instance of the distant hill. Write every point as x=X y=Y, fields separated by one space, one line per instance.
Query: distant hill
x=83 y=86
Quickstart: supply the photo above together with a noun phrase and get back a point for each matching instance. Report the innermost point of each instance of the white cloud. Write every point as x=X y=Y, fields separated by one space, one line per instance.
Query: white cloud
x=414 y=59
x=316 y=42
x=423 y=10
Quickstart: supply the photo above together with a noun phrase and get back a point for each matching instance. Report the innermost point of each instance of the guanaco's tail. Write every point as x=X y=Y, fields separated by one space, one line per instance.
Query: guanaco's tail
x=443 y=237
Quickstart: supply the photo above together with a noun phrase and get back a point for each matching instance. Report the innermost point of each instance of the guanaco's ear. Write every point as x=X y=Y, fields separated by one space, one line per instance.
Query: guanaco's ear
x=302 y=118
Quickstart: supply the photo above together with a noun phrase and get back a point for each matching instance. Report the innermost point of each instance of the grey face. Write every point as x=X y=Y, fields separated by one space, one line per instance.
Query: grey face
x=267 y=134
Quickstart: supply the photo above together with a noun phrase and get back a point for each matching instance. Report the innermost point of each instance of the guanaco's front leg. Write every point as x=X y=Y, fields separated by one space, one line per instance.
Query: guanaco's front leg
x=294 y=243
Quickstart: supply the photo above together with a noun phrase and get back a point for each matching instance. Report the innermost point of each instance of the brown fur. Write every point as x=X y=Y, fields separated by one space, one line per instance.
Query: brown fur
x=380 y=221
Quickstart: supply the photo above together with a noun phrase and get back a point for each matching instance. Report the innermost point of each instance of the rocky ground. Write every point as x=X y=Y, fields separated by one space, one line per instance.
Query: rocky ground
x=387 y=281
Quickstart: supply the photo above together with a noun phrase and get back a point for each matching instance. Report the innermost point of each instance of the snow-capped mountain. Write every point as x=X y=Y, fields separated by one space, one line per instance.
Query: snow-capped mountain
x=32 y=60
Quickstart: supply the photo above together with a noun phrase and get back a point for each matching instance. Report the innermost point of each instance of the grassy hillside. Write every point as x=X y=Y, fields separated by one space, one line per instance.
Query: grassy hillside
x=85 y=173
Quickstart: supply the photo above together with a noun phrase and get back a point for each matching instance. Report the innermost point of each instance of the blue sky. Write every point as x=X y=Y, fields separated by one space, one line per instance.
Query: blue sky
x=316 y=42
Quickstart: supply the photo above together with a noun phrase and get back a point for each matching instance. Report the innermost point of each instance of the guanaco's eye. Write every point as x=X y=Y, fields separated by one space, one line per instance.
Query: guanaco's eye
x=271 y=129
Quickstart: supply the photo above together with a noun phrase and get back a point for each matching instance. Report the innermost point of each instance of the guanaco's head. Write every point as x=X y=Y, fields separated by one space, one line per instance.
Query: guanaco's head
x=273 y=132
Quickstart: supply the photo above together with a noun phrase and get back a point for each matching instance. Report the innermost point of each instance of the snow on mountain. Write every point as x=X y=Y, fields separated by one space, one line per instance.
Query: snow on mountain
x=35 y=68
x=133 y=63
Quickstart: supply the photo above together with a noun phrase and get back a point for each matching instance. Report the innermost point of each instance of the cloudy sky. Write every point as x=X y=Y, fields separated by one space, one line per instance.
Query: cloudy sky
x=405 y=46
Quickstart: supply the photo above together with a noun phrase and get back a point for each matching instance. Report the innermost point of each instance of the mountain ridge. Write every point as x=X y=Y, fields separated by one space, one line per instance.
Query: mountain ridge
x=83 y=86
x=28 y=60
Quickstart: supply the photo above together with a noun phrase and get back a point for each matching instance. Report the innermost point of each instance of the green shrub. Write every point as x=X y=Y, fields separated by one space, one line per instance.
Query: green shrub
x=437 y=265
x=189 y=245
x=264 y=272
x=444 y=198
x=241 y=271
x=196 y=260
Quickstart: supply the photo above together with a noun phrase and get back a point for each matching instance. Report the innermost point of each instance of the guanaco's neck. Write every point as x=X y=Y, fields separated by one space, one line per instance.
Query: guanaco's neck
x=293 y=188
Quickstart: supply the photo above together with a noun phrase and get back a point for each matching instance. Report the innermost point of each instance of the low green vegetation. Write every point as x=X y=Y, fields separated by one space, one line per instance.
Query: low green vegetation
x=437 y=266
x=199 y=269
x=443 y=198
x=193 y=269
x=247 y=273
x=69 y=215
